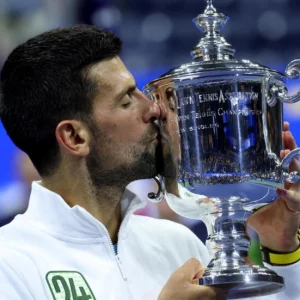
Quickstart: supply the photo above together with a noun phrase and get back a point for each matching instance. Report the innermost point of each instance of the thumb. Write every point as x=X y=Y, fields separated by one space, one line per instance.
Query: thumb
x=191 y=271
x=197 y=292
x=181 y=284
x=291 y=198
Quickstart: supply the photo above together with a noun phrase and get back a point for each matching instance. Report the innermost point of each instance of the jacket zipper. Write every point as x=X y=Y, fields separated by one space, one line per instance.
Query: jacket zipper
x=118 y=260
x=116 y=256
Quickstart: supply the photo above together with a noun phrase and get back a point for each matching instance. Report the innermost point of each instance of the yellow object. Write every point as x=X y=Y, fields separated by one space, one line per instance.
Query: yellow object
x=279 y=259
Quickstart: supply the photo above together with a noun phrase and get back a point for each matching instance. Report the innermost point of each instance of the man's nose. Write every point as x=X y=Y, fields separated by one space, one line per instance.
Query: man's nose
x=155 y=110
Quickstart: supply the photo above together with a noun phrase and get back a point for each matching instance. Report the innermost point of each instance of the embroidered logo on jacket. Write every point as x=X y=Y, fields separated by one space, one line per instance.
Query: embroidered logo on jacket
x=69 y=285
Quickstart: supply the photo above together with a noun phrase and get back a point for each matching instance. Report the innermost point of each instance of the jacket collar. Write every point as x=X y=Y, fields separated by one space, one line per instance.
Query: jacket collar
x=48 y=211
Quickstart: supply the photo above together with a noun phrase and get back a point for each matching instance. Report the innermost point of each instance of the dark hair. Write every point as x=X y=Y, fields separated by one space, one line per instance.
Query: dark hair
x=45 y=81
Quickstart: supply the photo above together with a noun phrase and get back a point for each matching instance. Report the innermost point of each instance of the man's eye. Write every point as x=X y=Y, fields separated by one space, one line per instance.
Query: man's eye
x=125 y=105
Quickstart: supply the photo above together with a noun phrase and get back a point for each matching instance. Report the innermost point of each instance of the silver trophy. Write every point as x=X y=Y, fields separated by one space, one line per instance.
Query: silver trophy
x=221 y=141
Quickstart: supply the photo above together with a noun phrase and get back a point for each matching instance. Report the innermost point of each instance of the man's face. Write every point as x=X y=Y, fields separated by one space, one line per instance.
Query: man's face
x=125 y=144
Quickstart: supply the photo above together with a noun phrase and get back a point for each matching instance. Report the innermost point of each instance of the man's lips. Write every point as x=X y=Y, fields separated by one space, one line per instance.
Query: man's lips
x=156 y=138
x=159 y=136
x=163 y=136
x=159 y=139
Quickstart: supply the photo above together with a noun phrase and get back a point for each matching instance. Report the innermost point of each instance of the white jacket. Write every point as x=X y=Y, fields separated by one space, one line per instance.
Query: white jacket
x=57 y=252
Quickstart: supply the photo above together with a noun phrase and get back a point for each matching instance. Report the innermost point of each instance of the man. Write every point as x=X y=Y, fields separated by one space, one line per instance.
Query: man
x=69 y=102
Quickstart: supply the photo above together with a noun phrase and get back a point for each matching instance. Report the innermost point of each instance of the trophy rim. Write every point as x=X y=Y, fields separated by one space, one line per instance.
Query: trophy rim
x=199 y=68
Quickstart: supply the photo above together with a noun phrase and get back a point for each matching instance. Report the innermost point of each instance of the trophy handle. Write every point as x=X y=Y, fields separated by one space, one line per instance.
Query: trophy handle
x=271 y=102
x=160 y=194
x=292 y=71
x=293 y=176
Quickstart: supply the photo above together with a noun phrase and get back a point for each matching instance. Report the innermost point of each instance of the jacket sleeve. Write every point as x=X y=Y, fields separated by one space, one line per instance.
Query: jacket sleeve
x=11 y=285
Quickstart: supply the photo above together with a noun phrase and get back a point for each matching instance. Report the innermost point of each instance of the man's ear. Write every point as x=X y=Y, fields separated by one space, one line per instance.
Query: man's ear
x=74 y=137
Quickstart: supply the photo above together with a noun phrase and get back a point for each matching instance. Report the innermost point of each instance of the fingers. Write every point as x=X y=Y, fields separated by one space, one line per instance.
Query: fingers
x=283 y=153
x=289 y=141
x=291 y=198
x=192 y=270
x=286 y=126
x=289 y=144
x=198 y=292
x=184 y=284
x=191 y=292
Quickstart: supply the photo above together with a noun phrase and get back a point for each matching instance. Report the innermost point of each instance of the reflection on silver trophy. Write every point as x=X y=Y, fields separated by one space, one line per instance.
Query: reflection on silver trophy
x=222 y=143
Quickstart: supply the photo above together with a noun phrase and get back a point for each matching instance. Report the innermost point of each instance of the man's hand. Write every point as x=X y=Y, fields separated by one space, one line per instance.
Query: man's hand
x=277 y=223
x=183 y=285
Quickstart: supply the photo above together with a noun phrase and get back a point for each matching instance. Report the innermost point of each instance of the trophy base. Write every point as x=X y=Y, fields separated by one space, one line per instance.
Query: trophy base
x=248 y=281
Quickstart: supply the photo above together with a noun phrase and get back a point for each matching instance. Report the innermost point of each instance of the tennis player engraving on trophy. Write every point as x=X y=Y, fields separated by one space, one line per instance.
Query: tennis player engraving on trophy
x=220 y=136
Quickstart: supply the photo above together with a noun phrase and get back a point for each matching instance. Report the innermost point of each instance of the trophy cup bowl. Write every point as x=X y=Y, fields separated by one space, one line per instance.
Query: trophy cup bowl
x=221 y=140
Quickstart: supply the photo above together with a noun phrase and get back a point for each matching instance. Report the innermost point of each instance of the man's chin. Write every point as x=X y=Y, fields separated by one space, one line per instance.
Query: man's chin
x=145 y=167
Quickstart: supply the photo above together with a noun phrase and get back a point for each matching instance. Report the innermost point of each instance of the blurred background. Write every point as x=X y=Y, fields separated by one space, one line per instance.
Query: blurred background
x=157 y=35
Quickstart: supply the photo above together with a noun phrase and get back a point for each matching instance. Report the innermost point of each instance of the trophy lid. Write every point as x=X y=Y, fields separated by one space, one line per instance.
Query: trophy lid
x=212 y=46
x=213 y=52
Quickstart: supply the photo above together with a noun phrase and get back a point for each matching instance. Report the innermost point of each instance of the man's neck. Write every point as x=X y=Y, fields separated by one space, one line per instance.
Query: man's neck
x=103 y=203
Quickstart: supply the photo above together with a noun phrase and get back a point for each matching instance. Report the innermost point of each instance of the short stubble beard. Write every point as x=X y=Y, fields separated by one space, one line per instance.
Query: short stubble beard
x=147 y=165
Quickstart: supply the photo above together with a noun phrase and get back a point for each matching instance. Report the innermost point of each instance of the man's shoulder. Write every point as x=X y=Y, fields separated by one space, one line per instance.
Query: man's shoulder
x=13 y=247
x=16 y=235
x=6 y=231
x=17 y=263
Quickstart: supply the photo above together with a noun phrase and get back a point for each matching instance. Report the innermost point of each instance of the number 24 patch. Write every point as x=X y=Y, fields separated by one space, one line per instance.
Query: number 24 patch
x=69 y=285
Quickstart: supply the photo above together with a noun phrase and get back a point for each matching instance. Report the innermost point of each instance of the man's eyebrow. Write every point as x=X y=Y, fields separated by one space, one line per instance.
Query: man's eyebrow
x=126 y=90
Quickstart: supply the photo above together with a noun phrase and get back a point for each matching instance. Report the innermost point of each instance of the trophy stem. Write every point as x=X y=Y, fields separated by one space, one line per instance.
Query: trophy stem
x=227 y=239
x=229 y=246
